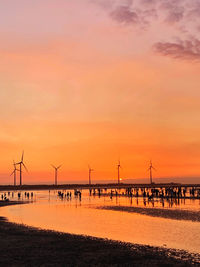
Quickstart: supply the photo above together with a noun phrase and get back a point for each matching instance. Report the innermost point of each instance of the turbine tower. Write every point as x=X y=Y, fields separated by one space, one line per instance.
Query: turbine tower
x=21 y=164
x=56 y=172
x=14 y=172
x=118 y=173
x=89 y=173
x=150 y=172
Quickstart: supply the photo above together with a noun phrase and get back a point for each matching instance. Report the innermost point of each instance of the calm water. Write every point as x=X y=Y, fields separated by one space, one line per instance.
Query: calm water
x=77 y=216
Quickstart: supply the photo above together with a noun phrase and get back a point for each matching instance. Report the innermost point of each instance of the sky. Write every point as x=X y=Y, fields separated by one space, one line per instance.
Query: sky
x=89 y=82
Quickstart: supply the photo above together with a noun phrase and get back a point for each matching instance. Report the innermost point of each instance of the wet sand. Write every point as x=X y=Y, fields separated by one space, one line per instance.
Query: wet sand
x=8 y=203
x=157 y=212
x=26 y=246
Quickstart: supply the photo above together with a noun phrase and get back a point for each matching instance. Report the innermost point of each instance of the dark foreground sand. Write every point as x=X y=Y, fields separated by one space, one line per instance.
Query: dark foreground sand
x=25 y=246
x=157 y=212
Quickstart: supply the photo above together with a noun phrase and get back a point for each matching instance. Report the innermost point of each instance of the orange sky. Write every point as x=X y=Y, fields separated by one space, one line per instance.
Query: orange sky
x=88 y=82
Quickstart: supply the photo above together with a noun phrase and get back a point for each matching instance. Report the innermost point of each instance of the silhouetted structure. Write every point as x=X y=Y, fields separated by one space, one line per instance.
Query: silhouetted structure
x=56 y=172
x=118 y=172
x=14 y=172
x=89 y=174
x=21 y=163
x=150 y=172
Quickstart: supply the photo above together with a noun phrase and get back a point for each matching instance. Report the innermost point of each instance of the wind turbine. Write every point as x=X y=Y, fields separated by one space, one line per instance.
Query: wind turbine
x=89 y=173
x=118 y=174
x=56 y=172
x=21 y=163
x=150 y=171
x=14 y=172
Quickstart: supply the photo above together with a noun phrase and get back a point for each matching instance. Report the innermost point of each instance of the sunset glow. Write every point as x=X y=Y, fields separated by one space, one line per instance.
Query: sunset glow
x=88 y=82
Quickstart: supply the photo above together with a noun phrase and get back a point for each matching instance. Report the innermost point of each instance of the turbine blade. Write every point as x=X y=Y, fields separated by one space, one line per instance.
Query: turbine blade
x=24 y=166
x=59 y=166
x=22 y=156
x=53 y=166
x=12 y=173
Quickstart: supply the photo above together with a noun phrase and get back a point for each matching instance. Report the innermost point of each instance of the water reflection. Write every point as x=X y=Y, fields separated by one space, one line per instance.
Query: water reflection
x=74 y=212
x=106 y=197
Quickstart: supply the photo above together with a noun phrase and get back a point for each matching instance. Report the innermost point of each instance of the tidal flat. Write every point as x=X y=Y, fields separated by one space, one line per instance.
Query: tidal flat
x=26 y=246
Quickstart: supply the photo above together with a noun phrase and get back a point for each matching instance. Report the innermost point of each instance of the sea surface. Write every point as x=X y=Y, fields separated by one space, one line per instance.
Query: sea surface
x=84 y=216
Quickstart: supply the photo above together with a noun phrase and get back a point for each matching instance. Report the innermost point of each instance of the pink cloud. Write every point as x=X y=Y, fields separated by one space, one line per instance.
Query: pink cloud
x=123 y=14
x=187 y=50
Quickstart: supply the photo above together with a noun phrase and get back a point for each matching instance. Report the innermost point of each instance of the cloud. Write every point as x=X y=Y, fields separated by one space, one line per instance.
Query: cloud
x=194 y=10
x=173 y=10
x=160 y=19
x=142 y=11
x=175 y=15
x=186 y=50
x=124 y=14
x=128 y=12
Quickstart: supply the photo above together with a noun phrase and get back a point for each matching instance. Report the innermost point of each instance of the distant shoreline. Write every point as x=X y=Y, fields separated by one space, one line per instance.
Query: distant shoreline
x=87 y=186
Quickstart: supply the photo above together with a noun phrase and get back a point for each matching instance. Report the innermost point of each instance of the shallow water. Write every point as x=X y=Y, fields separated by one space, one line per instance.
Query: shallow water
x=48 y=211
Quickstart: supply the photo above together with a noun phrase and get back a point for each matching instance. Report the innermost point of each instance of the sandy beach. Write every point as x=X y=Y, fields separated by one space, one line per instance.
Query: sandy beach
x=157 y=212
x=25 y=246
